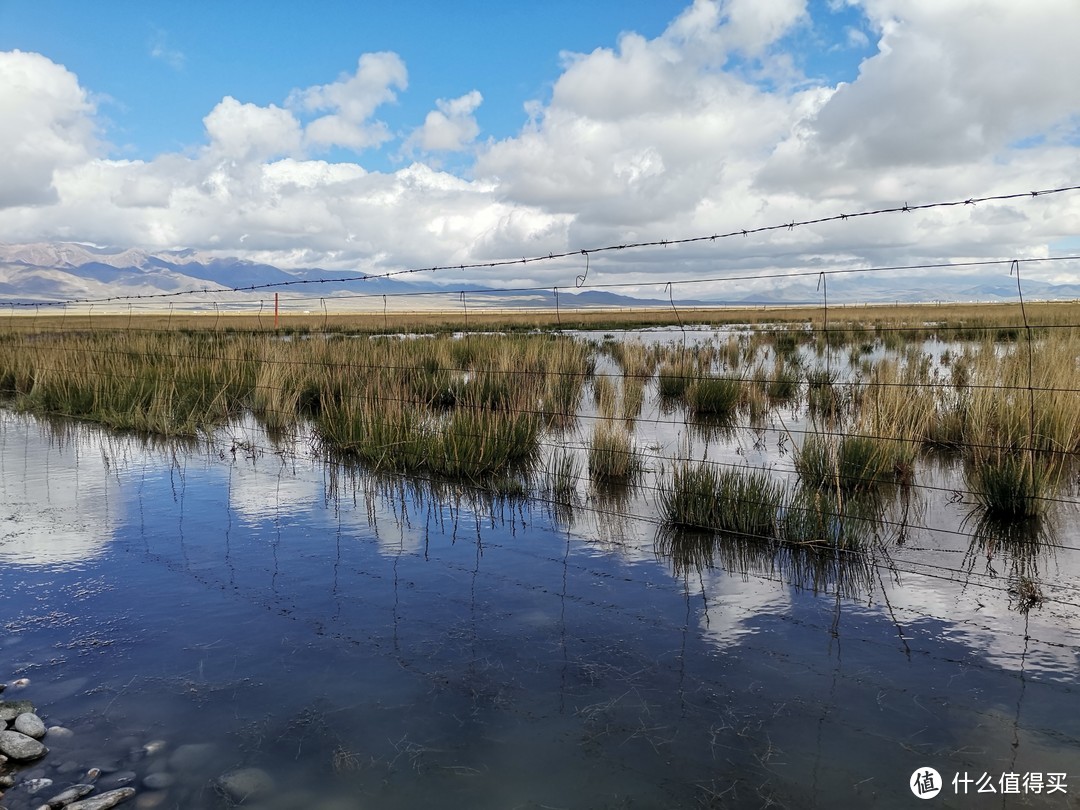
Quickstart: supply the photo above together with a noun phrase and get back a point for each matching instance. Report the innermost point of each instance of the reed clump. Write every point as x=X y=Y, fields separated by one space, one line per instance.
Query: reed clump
x=1012 y=486
x=702 y=496
x=606 y=395
x=146 y=383
x=849 y=463
x=674 y=377
x=458 y=408
x=612 y=457
x=717 y=396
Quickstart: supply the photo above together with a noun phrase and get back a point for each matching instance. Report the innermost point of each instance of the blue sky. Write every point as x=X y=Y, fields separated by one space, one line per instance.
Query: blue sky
x=158 y=67
x=374 y=136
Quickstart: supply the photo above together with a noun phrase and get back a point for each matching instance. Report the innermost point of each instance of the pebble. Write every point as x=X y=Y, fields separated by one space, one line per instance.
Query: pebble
x=21 y=748
x=10 y=709
x=154 y=746
x=59 y=733
x=148 y=801
x=33 y=786
x=73 y=793
x=158 y=781
x=7 y=780
x=92 y=775
x=22 y=683
x=246 y=783
x=118 y=779
x=30 y=725
x=105 y=801
x=193 y=756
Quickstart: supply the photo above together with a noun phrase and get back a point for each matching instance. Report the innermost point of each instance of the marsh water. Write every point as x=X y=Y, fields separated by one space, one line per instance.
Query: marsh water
x=396 y=643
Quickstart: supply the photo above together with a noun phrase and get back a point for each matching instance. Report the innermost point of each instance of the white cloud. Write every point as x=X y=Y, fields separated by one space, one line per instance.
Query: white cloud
x=246 y=132
x=642 y=134
x=449 y=128
x=48 y=124
x=856 y=38
x=160 y=50
x=679 y=135
x=952 y=83
x=752 y=25
x=350 y=103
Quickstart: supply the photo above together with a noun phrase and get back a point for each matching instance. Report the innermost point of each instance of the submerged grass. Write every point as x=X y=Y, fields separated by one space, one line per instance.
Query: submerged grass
x=705 y=497
x=612 y=457
x=851 y=463
x=714 y=396
x=1012 y=486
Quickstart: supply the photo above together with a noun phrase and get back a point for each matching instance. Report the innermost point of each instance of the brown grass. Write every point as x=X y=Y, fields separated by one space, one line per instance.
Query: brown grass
x=841 y=318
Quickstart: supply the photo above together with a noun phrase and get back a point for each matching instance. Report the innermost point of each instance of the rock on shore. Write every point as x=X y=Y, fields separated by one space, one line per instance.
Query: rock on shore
x=19 y=747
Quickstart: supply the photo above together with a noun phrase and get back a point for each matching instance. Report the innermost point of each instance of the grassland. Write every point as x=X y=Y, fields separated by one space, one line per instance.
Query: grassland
x=845 y=322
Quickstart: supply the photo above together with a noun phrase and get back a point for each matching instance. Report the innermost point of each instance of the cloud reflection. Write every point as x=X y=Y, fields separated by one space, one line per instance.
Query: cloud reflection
x=61 y=499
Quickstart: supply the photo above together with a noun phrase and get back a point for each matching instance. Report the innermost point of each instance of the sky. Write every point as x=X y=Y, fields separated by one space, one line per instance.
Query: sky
x=374 y=137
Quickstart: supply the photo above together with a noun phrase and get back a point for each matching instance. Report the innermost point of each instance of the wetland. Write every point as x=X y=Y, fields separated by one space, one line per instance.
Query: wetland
x=728 y=565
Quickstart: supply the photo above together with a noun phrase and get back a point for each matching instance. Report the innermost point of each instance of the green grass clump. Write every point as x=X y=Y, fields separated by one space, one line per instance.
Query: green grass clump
x=812 y=517
x=783 y=386
x=714 y=396
x=612 y=457
x=674 y=378
x=850 y=464
x=737 y=502
x=466 y=444
x=1011 y=485
x=824 y=396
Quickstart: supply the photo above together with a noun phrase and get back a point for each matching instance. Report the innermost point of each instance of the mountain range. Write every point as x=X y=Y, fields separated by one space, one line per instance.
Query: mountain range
x=43 y=272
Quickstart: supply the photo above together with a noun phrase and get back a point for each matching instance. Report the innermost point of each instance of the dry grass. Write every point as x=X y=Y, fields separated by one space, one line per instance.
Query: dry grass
x=963 y=320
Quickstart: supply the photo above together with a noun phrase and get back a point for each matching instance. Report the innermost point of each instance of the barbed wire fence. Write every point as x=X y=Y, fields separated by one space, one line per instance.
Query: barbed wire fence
x=988 y=396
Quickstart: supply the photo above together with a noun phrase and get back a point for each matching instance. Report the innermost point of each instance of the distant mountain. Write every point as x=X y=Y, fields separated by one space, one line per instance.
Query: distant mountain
x=858 y=289
x=64 y=271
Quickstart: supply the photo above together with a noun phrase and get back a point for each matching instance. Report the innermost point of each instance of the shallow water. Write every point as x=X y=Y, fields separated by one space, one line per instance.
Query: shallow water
x=380 y=644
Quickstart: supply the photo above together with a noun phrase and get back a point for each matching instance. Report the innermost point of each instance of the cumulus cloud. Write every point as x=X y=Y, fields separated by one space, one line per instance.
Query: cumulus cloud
x=677 y=135
x=350 y=103
x=48 y=124
x=449 y=128
x=248 y=132
x=644 y=132
x=947 y=86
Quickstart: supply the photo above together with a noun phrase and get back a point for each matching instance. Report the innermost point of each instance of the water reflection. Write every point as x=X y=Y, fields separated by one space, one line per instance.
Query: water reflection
x=821 y=543
x=817 y=567
x=60 y=499
x=396 y=642
x=1012 y=548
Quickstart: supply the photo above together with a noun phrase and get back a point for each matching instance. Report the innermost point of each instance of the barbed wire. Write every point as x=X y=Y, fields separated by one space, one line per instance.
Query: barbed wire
x=656 y=488
x=586 y=253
